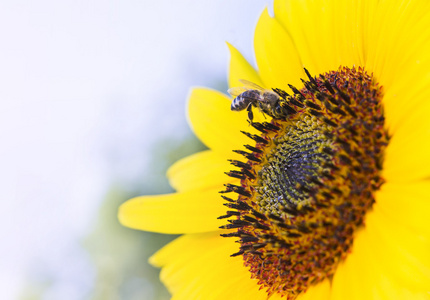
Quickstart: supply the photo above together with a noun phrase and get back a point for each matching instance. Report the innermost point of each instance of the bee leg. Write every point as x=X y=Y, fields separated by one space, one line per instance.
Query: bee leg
x=250 y=114
x=261 y=109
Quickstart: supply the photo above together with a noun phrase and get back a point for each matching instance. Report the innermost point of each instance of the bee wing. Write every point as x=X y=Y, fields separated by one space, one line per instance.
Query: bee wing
x=250 y=85
x=247 y=85
x=236 y=91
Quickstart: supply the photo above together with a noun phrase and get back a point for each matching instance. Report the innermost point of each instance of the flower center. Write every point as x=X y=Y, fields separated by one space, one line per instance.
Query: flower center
x=309 y=179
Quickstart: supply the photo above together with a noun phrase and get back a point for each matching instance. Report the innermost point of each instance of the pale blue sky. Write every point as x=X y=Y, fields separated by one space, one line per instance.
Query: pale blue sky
x=81 y=84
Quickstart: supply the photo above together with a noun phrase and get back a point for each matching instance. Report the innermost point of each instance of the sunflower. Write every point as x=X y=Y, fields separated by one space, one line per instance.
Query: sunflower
x=318 y=186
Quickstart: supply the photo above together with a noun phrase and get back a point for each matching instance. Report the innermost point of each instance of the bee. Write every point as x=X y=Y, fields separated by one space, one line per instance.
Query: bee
x=253 y=95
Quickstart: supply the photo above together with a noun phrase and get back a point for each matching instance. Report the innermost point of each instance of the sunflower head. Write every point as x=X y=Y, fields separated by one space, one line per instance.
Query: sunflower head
x=309 y=180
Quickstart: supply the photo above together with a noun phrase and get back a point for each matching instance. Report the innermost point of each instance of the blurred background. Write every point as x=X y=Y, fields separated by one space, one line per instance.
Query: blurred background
x=92 y=112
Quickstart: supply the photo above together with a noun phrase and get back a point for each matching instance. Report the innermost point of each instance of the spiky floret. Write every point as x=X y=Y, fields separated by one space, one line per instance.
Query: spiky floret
x=308 y=180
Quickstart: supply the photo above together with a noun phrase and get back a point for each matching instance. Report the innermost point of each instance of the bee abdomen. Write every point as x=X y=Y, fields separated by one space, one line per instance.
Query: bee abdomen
x=240 y=103
x=245 y=99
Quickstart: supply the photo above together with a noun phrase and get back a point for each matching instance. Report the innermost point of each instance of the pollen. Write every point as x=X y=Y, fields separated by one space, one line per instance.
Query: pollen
x=308 y=180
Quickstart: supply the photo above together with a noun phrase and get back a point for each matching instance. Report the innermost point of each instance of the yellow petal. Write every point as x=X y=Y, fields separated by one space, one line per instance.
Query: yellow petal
x=407 y=96
x=320 y=291
x=215 y=124
x=241 y=69
x=353 y=277
x=199 y=266
x=340 y=288
x=186 y=212
x=399 y=56
x=290 y=14
x=407 y=155
x=407 y=204
x=277 y=58
x=397 y=32
x=401 y=254
x=363 y=276
x=201 y=170
x=389 y=290
x=327 y=34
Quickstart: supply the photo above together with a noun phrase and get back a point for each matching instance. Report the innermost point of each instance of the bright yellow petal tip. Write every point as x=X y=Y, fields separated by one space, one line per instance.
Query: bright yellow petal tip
x=241 y=69
x=186 y=212
x=277 y=57
x=201 y=170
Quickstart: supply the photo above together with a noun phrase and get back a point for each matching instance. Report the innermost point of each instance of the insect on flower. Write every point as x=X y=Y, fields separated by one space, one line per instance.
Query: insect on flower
x=270 y=102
